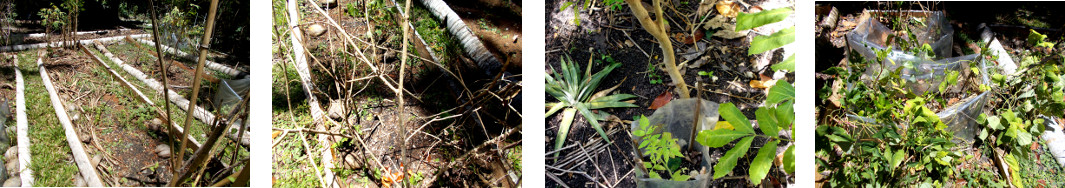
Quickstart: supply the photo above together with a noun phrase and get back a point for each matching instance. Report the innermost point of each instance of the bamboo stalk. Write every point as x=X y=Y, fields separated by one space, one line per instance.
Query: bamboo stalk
x=82 y=159
x=241 y=178
x=202 y=155
x=206 y=75
x=142 y=98
x=179 y=152
x=21 y=125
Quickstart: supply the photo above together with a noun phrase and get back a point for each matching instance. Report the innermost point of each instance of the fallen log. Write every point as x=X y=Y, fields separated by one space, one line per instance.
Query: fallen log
x=88 y=172
x=198 y=112
x=471 y=44
x=22 y=128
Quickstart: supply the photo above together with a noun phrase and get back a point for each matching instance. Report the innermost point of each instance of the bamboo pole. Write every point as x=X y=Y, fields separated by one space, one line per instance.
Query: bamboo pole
x=141 y=97
x=176 y=153
x=22 y=127
x=207 y=63
x=317 y=115
x=206 y=75
x=399 y=95
x=202 y=114
x=211 y=12
x=203 y=154
x=82 y=159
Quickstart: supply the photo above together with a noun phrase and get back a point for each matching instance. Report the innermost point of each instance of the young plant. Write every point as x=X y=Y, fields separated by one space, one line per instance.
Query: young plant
x=662 y=150
x=778 y=114
x=574 y=92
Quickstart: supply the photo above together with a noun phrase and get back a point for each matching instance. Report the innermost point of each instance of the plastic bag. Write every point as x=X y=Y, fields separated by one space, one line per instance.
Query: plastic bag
x=676 y=118
x=871 y=35
x=924 y=74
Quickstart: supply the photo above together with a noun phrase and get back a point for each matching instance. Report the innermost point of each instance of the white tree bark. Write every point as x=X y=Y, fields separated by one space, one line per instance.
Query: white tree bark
x=199 y=113
x=21 y=127
x=87 y=169
x=209 y=64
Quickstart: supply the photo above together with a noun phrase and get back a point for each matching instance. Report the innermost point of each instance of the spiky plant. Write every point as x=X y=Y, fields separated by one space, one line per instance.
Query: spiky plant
x=576 y=93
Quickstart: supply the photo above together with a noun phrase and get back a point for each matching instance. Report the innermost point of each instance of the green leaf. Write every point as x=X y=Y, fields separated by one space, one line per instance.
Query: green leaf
x=728 y=161
x=780 y=92
x=789 y=159
x=745 y=21
x=788 y=64
x=785 y=114
x=563 y=129
x=765 y=43
x=897 y=158
x=763 y=162
x=719 y=137
x=733 y=115
x=1024 y=138
x=591 y=118
x=680 y=176
x=767 y=122
x=983 y=134
x=993 y=122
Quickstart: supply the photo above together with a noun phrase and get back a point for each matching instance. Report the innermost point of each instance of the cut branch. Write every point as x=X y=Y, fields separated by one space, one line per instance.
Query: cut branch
x=658 y=30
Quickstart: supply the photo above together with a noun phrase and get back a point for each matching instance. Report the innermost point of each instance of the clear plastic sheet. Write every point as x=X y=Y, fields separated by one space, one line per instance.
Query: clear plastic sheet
x=229 y=91
x=676 y=118
x=924 y=74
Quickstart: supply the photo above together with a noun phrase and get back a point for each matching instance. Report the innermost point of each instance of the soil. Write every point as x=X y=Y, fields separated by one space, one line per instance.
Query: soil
x=128 y=146
x=431 y=147
x=7 y=86
x=497 y=28
x=605 y=34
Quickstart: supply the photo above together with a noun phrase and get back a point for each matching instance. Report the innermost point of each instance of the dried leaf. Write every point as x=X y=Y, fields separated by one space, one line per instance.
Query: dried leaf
x=274 y=136
x=661 y=100
x=728 y=8
x=766 y=82
x=705 y=6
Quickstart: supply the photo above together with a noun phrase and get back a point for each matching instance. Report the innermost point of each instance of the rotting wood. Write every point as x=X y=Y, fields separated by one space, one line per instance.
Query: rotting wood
x=22 y=127
x=24 y=47
x=82 y=159
x=314 y=107
x=206 y=75
x=140 y=96
x=200 y=113
x=208 y=63
x=471 y=44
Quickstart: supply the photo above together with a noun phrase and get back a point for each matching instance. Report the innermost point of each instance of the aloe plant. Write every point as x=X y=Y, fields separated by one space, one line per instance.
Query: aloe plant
x=576 y=93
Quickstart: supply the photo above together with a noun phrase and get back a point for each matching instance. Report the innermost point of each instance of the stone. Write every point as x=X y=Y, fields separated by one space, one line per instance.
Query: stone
x=14 y=181
x=163 y=150
x=96 y=160
x=336 y=110
x=155 y=125
x=12 y=167
x=316 y=30
x=85 y=138
x=11 y=154
x=390 y=55
x=327 y=3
